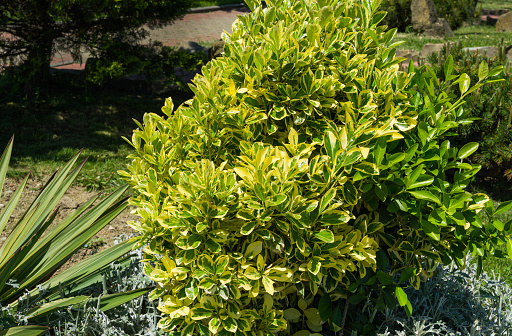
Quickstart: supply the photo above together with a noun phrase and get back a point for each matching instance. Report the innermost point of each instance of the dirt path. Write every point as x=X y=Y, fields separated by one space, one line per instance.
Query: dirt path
x=72 y=199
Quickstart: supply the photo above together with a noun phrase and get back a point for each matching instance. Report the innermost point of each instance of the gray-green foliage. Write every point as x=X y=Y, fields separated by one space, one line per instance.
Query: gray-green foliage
x=136 y=317
x=454 y=302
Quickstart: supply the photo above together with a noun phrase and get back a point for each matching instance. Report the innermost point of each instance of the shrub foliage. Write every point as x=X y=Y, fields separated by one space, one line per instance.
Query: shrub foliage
x=307 y=173
x=491 y=106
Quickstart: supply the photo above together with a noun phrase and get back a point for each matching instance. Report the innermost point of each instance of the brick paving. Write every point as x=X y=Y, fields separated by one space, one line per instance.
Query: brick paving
x=187 y=32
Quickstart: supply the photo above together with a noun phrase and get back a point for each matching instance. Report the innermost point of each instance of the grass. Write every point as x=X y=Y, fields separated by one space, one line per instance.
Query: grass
x=471 y=36
x=49 y=131
x=206 y=3
x=495 y=4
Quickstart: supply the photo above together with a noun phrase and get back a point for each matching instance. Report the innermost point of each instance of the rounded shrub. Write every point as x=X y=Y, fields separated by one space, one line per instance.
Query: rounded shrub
x=306 y=175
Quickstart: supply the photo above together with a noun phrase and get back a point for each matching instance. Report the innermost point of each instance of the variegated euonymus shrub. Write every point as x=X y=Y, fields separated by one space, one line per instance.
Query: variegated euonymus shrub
x=306 y=172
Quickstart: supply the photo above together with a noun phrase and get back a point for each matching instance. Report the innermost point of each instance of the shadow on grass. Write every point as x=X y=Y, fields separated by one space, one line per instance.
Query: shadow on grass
x=75 y=115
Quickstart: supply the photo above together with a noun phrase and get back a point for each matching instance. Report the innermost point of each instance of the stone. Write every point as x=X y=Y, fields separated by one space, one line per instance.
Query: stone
x=508 y=53
x=489 y=52
x=424 y=14
x=439 y=29
x=216 y=50
x=431 y=48
x=504 y=23
x=425 y=19
x=191 y=46
x=408 y=54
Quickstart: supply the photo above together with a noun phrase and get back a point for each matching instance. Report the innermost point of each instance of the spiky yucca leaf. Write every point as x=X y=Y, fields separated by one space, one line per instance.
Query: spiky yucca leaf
x=32 y=253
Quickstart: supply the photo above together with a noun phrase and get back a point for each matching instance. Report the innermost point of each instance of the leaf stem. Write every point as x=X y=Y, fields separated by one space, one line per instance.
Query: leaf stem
x=344 y=319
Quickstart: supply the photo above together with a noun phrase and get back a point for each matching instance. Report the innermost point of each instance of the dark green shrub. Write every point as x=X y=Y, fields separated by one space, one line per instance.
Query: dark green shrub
x=398 y=14
x=306 y=175
x=491 y=105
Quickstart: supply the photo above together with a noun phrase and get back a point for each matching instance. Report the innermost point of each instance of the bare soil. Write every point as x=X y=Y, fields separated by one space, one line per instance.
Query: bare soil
x=72 y=199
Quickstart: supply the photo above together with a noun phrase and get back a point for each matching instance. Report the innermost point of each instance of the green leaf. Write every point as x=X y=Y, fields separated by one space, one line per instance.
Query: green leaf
x=503 y=207
x=313 y=32
x=84 y=273
x=326 y=199
x=205 y=262
x=422 y=181
x=114 y=300
x=382 y=260
x=30 y=330
x=247 y=228
x=425 y=195
x=373 y=35
x=401 y=296
x=431 y=230
x=253 y=4
x=292 y=314
x=72 y=233
x=509 y=248
x=448 y=66
x=325 y=235
x=406 y=247
x=11 y=205
x=496 y=71
x=331 y=144
x=221 y=263
x=326 y=14
x=199 y=313
x=230 y=324
x=464 y=82
x=325 y=307
x=368 y=168
x=385 y=278
x=253 y=249
x=467 y=150
x=408 y=308
x=483 y=70
x=55 y=305
x=335 y=217
x=498 y=225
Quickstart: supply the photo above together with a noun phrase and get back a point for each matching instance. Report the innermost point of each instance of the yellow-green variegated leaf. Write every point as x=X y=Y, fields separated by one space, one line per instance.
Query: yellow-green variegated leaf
x=30 y=330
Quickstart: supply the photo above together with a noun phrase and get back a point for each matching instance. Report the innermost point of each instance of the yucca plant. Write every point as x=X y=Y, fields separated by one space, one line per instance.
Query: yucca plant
x=33 y=251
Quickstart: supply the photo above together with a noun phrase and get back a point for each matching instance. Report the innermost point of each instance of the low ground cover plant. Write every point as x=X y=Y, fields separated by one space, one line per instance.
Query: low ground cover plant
x=308 y=174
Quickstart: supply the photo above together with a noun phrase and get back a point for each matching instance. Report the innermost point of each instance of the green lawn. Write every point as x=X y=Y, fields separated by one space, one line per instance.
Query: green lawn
x=205 y=3
x=495 y=4
x=49 y=131
x=471 y=36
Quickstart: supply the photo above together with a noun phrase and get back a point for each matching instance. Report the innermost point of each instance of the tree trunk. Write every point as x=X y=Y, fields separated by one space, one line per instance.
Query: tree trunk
x=36 y=68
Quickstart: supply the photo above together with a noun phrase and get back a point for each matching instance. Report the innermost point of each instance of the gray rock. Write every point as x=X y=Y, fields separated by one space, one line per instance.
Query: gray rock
x=216 y=50
x=487 y=51
x=424 y=14
x=409 y=54
x=508 y=53
x=431 y=48
x=425 y=19
x=504 y=23
x=191 y=46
